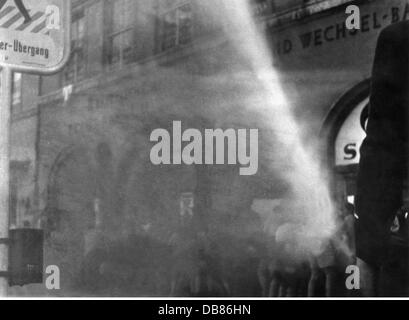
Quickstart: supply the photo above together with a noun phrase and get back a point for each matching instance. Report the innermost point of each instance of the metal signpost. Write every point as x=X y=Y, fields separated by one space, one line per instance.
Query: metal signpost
x=34 y=38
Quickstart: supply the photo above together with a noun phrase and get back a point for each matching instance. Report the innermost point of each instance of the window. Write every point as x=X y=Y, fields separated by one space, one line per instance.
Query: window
x=280 y=6
x=120 y=38
x=16 y=97
x=175 y=27
x=13 y=203
x=76 y=68
x=261 y=7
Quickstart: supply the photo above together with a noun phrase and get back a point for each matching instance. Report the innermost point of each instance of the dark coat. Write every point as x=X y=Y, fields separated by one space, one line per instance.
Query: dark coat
x=384 y=153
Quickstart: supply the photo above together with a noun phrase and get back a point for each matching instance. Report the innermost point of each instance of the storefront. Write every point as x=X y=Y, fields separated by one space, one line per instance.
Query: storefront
x=346 y=123
x=326 y=72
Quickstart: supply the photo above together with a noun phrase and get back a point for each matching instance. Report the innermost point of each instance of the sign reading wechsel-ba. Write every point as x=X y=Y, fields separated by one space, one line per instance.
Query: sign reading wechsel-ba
x=34 y=34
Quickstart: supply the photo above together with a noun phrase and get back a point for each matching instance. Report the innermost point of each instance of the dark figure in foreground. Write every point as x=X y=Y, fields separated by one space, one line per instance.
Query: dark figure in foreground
x=20 y=7
x=384 y=154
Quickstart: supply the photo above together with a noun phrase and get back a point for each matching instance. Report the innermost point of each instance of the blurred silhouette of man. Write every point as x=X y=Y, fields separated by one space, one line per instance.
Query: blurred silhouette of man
x=20 y=7
x=384 y=153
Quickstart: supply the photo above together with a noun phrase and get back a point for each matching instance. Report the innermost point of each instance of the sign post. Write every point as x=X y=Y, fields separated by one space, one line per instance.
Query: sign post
x=34 y=38
x=6 y=86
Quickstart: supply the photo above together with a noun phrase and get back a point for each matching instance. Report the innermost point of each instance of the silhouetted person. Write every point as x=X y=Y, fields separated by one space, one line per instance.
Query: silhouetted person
x=384 y=153
x=20 y=7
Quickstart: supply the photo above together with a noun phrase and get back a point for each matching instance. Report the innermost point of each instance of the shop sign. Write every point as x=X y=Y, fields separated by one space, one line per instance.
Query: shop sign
x=351 y=135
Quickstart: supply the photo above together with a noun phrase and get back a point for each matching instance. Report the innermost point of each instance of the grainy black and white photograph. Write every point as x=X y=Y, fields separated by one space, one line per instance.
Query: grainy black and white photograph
x=204 y=149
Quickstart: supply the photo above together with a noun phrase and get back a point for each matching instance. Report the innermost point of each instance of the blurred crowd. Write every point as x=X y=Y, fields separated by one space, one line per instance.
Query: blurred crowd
x=283 y=265
x=295 y=268
x=199 y=264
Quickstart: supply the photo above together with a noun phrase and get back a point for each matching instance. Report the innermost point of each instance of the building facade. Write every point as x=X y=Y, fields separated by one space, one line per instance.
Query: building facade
x=81 y=166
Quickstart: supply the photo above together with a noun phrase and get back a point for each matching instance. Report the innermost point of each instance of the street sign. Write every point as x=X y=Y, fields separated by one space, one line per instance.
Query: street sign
x=34 y=35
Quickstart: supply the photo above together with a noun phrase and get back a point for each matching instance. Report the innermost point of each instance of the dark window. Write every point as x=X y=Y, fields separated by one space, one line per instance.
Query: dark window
x=76 y=68
x=13 y=204
x=175 y=27
x=121 y=37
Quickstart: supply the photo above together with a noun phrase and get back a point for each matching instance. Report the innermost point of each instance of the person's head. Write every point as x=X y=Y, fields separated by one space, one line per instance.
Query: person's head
x=287 y=236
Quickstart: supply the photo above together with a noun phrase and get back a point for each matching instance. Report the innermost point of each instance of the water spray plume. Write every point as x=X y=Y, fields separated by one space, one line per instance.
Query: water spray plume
x=309 y=190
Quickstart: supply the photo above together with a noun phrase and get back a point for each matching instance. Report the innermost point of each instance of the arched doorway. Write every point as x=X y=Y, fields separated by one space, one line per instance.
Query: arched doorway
x=344 y=132
x=69 y=214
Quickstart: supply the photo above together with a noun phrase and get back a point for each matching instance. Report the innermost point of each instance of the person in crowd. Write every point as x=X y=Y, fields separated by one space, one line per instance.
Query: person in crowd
x=395 y=271
x=324 y=262
x=289 y=269
x=208 y=281
x=267 y=272
x=384 y=154
x=345 y=237
x=337 y=253
x=197 y=271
